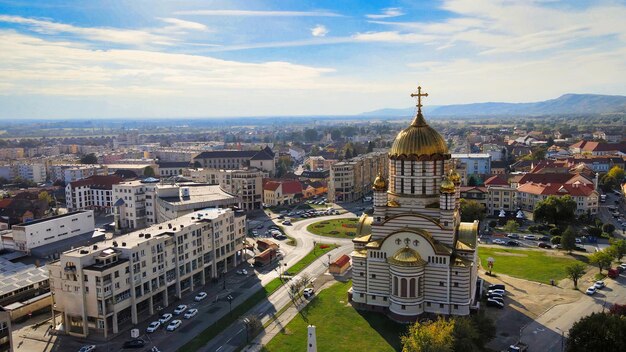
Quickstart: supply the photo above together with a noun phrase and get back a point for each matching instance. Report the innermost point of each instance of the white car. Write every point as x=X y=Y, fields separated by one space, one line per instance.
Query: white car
x=191 y=313
x=165 y=318
x=498 y=291
x=598 y=285
x=181 y=308
x=591 y=290
x=174 y=325
x=308 y=292
x=87 y=348
x=153 y=326
x=200 y=296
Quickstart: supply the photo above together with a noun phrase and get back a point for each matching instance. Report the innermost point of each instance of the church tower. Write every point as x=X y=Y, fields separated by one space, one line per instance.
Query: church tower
x=414 y=255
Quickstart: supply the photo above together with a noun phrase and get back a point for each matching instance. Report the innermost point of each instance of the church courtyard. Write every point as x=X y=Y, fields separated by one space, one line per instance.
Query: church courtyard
x=338 y=228
x=340 y=327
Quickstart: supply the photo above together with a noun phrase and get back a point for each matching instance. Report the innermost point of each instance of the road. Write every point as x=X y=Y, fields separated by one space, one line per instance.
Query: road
x=544 y=333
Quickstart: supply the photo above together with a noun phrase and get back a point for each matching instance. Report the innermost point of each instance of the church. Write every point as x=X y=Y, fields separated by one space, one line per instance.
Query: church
x=413 y=255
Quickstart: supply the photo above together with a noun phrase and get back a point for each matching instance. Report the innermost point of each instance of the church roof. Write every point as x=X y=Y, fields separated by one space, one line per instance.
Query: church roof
x=362 y=239
x=462 y=262
x=467 y=232
x=359 y=254
x=374 y=244
x=365 y=226
x=406 y=257
x=418 y=140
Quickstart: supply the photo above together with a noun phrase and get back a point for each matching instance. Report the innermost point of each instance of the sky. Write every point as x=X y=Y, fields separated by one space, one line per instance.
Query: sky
x=186 y=58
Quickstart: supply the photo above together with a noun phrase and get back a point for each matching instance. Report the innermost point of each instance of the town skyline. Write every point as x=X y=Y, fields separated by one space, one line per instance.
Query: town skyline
x=224 y=59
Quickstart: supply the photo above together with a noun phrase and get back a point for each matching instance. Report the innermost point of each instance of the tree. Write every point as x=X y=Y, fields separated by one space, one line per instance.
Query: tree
x=310 y=134
x=601 y=259
x=608 y=228
x=594 y=231
x=471 y=210
x=598 y=331
x=555 y=210
x=618 y=249
x=568 y=239
x=348 y=154
x=612 y=179
x=466 y=335
x=45 y=197
x=511 y=226
x=555 y=231
x=89 y=159
x=555 y=240
x=575 y=271
x=432 y=336
x=148 y=171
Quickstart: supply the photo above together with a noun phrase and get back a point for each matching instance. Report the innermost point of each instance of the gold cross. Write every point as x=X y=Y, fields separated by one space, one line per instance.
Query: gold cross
x=419 y=96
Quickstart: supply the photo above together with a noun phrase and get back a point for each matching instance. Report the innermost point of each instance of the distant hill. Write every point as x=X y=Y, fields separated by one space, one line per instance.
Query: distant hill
x=565 y=104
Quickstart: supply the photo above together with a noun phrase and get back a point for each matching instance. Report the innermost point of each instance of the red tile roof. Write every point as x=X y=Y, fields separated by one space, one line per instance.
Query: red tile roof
x=292 y=187
x=496 y=180
x=341 y=261
x=101 y=182
x=576 y=189
x=271 y=185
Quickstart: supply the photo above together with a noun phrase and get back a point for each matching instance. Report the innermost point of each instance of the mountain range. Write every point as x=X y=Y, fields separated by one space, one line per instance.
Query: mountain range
x=563 y=105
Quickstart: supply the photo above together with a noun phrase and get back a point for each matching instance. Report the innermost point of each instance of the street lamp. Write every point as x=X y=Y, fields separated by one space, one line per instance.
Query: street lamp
x=328 y=259
x=230 y=304
x=246 y=324
x=224 y=275
x=562 y=339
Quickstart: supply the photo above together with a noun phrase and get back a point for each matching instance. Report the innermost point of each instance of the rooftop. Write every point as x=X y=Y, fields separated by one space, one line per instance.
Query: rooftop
x=52 y=218
x=14 y=276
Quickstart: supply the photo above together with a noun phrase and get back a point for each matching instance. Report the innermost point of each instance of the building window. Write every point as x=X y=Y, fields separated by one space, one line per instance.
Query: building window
x=403 y=288
x=440 y=283
x=427 y=304
x=373 y=276
x=403 y=307
x=395 y=286
x=385 y=299
x=456 y=306
x=361 y=295
x=456 y=284
x=412 y=288
x=440 y=305
x=374 y=297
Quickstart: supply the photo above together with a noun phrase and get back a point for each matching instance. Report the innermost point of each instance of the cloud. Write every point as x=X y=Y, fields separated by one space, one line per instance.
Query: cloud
x=250 y=13
x=319 y=31
x=185 y=25
x=387 y=13
x=392 y=37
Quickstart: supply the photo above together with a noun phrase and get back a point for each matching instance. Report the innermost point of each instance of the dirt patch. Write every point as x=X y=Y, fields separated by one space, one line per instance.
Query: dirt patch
x=508 y=254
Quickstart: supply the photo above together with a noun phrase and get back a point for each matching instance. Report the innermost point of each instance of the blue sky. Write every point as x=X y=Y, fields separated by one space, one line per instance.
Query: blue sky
x=156 y=58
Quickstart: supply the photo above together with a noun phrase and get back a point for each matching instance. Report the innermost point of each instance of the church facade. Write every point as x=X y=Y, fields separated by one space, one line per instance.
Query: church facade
x=414 y=255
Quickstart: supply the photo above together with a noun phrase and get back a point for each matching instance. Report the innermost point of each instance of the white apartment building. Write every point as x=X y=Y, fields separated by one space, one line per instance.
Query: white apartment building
x=264 y=159
x=95 y=192
x=100 y=290
x=141 y=203
x=37 y=233
x=32 y=172
x=247 y=184
x=350 y=180
x=76 y=173
x=475 y=163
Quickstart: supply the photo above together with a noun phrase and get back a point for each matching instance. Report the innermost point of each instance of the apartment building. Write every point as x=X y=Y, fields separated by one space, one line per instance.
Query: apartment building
x=585 y=195
x=320 y=163
x=475 y=163
x=264 y=159
x=6 y=340
x=76 y=173
x=106 y=288
x=247 y=184
x=350 y=180
x=171 y=168
x=37 y=233
x=94 y=192
x=141 y=203
x=11 y=153
x=500 y=195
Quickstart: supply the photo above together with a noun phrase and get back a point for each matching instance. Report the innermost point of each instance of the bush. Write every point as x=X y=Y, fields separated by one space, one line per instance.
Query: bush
x=533 y=228
x=324 y=246
x=555 y=240
x=605 y=235
x=555 y=231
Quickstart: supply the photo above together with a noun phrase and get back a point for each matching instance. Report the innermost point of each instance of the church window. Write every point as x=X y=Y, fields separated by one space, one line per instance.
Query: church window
x=427 y=304
x=385 y=299
x=456 y=306
x=401 y=185
x=361 y=274
x=445 y=223
x=403 y=288
x=373 y=296
x=403 y=307
x=419 y=287
x=361 y=295
x=373 y=276
x=445 y=260
x=456 y=284
x=440 y=283
x=412 y=169
x=423 y=187
x=440 y=305
x=456 y=273
x=395 y=286
x=435 y=167
x=412 y=186
x=412 y=288
x=402 y=167
x=423 y=167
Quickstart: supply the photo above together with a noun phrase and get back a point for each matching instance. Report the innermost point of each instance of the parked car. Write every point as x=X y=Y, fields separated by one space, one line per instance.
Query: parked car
x=578 y=241
x=499 y=241
x=281 y=216
x=497 y=287
x=494 y=303
x=87 y=348
x=544 y=245
x=513 y=235
x=544 y=238
x=499 y=299
x=174 y=325
x=591 y=290
x=495 y=295
x=181 y=308
x=135 y=343
x=200 y=296
x=598 y=285
x=308 y=292
x=512 y=243
x=153 y=326
x=165 y=318
x=530 y=237
x=500 y=291
x=191 y=313
x=286 y=222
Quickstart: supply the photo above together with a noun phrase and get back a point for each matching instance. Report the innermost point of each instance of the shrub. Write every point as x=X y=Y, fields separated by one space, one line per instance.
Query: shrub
x=555 y=231
x=533 y=228
x=555 y=240
x=605 y=235
x=324 y=246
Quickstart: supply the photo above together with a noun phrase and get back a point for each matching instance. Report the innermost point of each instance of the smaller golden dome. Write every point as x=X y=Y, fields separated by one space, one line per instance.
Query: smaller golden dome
x=454 y=177
x=379 y=183
x=406 y=257
x=447 y=186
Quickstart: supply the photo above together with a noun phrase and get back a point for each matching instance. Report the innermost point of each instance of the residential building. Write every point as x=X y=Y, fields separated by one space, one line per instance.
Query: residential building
x=264 y=159
x=76 y=173
x=6 y=338
x=586 y=197
x=598 y=148
x=11 y=153
x=94 y=192
x=106 y=288
x=475 y=193
x=42 y=232
x=500 y=195
x=296 y=153
x=414 y=255
x=246 y=184
x=352 y=179
x=320 y=163
x=171 y=168
x=281 y=192
x=32 y=172
x=475 y=163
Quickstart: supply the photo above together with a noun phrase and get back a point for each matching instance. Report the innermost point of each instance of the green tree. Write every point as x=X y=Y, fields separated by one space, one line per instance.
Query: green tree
x=555 y=240
x=598 y=332
x=608 y=228
x=45 y=196
x=612 y=179
x=432 y=336
x=594 y=231
x=89 y=159
x=575 y=271
x=466 y=336
x=148 y=171
x=601 y=259
x=310 y=135
x=618 y=249
x=568 y=239
x=555 y=210
x=511 y=226
x=471 y=210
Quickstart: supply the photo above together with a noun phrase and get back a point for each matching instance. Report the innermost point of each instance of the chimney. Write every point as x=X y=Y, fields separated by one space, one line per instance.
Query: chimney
x=595 y=182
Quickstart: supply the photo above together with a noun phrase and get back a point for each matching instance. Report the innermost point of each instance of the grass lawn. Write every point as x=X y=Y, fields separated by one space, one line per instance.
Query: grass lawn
x=528 y=264
x=335 y=228
x=209 y=333
x=340 y=327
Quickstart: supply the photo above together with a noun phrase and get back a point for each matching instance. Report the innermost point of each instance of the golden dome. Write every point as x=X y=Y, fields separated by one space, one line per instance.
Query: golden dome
x=454 y=177
x=406 y=257
x=418 y=139
x=447 y=186
x=379 y=183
